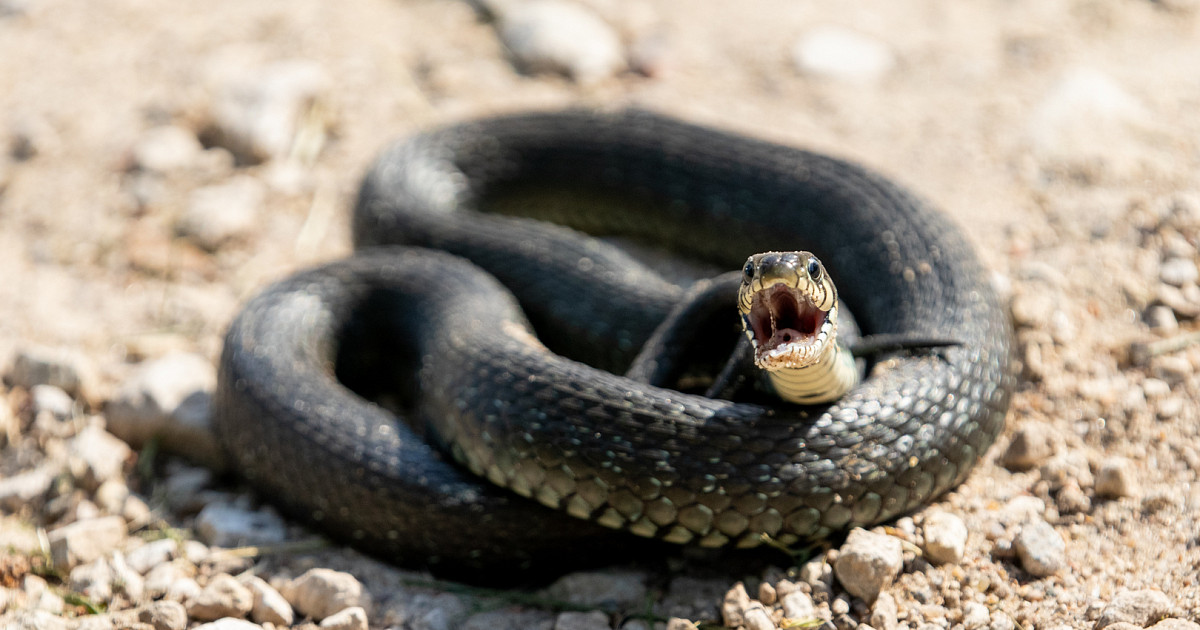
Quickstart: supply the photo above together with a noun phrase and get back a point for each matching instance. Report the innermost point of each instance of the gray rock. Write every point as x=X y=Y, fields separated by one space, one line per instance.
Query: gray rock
x=87 y=540
x=224 y=596
x=975 y=616
x=1032 y=444
x=692 y=598
x=600 y=588
x=319 y=593
x=422 y=610
x=62 y=368
x=184 y=488
x=1179 y=272
x=144 y=558
x=260 y=112
x=353 y=618
x=96 y=456
x=509 y=619
x=563 y=37
x=945 y=537
x=168 y=398
x=1116 y=478
x=226 y=525
x=594 y=620
x=269 y=605
x=164 y=615
x=53 y=400
x=868 y=562
x=166 y=148
x=221 y=213
x=842 y=54
x=1040 y=548
x=1141 y=608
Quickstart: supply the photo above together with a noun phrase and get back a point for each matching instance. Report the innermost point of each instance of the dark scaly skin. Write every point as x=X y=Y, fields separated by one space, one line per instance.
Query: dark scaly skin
x=602 y=447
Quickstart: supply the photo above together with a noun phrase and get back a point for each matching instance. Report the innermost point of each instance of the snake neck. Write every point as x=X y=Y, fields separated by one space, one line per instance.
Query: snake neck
x=826 y=380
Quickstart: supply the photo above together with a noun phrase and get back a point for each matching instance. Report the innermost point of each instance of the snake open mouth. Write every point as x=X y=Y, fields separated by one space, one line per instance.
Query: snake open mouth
x=786 y=326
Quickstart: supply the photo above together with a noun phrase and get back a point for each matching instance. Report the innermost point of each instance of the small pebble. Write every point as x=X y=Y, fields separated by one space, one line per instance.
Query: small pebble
x=224 y=525
x=798 y=606
x=945 y=537
x=96 y=456
x=160 y=579
x=1172 y=623
x=1032 y=444
x=61 y=368
x=1116 y=478
x=166 y=148
x=868 y=562
x=563 y=37
x=52 y=400
x=319 y=593
x=164 y=615
x=220 y=213
x=229 y=623
x=1142 y=608
x=1155 y=388
x=1071 y=499
x=757 y=618
x=1001 y=620
x=842 y=54
x=975 y=616
x=355 y=618
x=594 y=620
x=85 y=541
x=766 y=593
x=734 y=607
x=1040 y=548
x=224 y=596
x=168 y=398
x=1170 y=408
x=1179 y=272
x=144 y=558
x=269 y=605
x=884 y=612
x=93 y=579
x=1173 y=369
x=1161 y=318
x=24 y=488
x=259 y=112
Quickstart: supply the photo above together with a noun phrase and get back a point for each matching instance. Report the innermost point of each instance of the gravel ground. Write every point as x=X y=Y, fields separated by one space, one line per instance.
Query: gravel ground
x=161 y=161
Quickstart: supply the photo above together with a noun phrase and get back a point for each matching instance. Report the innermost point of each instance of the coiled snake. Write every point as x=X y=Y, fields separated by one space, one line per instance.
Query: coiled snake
x=450 y=344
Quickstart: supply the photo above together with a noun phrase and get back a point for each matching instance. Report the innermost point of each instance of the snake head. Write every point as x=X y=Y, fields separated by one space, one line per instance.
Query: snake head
x=789 y=309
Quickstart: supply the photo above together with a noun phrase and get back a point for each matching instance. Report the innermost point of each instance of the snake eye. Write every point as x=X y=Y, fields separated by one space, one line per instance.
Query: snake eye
x=748 y=270
x=814 y=269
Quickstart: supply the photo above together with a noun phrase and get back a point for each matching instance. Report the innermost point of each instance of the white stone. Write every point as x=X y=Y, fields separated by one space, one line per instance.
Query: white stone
x=319 y=593
x=945 y=537
x=259 y=110
x=52 y=400
x=84 y=541
x=96 y=456
x=144 y=558
x=353 y=618
x=1116 y=478
x=1179 y=272
x=1141 y=608
x=839 y=53
x=228 y=623
x=93 y=579
x=867 y=563
x=166 y=148
x=226 y=525
x=22 y=488
x=269 y=605
x=157 y=401
x=563 y=37
x=160 y=579
x=224 y=596
x=975 y=616
x=223 y=212
x=1040 y=548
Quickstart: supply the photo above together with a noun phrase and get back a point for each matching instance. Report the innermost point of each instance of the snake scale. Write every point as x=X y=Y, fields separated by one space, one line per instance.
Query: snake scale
x=451 y=344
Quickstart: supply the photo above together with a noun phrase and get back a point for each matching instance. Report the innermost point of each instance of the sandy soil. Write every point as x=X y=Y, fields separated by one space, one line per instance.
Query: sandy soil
x=1060 y=134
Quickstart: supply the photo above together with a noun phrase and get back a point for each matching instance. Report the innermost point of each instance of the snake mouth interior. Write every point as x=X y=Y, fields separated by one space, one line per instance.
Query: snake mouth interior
x=785 y=327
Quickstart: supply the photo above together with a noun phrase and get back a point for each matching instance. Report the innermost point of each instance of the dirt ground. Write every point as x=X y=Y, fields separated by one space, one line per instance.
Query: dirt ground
x=1062 y=135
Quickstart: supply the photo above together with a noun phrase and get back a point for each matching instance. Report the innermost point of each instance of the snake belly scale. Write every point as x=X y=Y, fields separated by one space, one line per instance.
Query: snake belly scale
x=576 y=437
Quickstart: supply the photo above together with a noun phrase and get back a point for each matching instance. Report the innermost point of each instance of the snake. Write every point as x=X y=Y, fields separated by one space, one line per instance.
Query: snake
x=452 y=396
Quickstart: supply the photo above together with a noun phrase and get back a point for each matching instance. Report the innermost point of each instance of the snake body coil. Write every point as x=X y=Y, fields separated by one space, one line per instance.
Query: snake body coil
x=601 y=447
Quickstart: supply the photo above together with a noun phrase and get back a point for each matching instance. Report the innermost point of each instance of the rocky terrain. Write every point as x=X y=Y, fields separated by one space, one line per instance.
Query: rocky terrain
x=159 y=162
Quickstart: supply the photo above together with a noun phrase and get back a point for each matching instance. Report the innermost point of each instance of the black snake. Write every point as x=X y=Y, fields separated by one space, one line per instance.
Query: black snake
x=449 y=343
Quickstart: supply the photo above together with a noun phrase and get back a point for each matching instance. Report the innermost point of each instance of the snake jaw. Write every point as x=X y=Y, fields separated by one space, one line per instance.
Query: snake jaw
x=787 y=329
